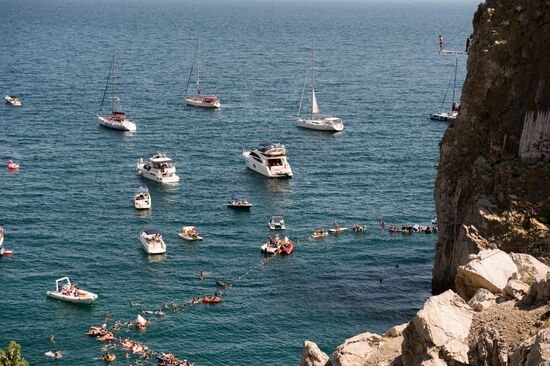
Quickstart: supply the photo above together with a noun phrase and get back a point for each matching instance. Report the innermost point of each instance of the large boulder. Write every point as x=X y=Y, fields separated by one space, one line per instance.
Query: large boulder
x=534 y=351
x=530 y=269
x=515 y=288
x=313 y=356
x=396 y=331
x=438 y=334
x=489 y=269
x=539 y=293
x=368 y=349
x=483 y=299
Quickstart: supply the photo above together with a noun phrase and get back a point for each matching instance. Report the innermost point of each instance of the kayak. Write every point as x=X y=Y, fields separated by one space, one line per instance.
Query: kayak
x=211 y=299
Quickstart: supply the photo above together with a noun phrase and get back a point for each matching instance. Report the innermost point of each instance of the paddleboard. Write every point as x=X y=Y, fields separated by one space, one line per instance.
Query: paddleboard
x=338 y=231
x=50 y=354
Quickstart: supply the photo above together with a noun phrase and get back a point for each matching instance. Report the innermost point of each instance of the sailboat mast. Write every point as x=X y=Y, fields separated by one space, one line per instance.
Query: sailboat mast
x=198 y=68
x=113 y=95
x=312 y=77
x=454 y=81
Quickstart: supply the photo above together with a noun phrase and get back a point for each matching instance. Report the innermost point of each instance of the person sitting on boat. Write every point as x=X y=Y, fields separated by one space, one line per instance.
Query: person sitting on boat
x=455 y=107
x=336 y=226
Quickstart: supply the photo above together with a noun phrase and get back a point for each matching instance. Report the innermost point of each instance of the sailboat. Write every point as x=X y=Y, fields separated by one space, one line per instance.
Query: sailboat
x=455 y=106
x=198 y=100
x=316 y=121
x=117 y=120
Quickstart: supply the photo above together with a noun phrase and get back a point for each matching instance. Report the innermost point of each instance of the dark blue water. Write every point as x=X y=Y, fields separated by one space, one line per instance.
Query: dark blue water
x=69 y=211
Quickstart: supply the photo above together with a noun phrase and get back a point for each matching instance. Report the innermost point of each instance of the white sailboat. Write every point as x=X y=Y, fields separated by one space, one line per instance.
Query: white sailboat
x=451 y=115
x=316 y=121
x=198 y=100
x=117 y=120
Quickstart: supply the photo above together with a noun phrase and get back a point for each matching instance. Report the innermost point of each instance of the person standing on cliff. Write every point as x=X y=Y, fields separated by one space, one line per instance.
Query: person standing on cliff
x=440 y=42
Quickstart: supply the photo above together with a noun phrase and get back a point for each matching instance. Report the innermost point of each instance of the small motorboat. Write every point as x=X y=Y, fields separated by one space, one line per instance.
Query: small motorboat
x=66 y=291
x=151 y=241
x=286 y=247
x=222 y=284
x=13 y=100
x=142 y=198
x=319 y=233
x=270 y=247
x=190 y=233
x=277 y=222
x=239 y=203
x=12 y=165
x=211 y=299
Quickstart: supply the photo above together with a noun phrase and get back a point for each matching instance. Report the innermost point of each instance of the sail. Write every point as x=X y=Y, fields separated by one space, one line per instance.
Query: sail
x=314 y=105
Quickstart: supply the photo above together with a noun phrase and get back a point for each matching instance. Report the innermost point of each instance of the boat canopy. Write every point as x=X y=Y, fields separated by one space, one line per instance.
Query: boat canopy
x=142 y=190
x=152 y=231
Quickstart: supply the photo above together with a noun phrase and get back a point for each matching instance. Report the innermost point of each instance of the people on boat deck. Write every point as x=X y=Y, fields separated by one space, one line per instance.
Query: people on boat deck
x=440 y=42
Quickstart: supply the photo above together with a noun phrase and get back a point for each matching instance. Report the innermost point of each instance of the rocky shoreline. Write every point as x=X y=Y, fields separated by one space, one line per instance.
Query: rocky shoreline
x=491 y=303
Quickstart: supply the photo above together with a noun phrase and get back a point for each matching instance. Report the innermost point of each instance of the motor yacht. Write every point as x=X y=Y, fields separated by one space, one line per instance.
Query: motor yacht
x=268 y=159
x=159 y=168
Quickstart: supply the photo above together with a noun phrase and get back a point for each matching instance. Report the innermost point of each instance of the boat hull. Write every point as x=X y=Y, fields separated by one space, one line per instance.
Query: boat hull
x=320 y=125
x=189 y=237
x=161 y=179
x=198 y=102
x=124 y=125
x=444 y=116
x=13 y=102
x=152 y=248
x=87 y=299
x=272 y=172
x=268 y=249
x=142 y=204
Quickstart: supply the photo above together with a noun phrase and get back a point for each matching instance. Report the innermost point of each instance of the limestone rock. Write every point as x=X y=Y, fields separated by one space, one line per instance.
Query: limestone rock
x=439 y=331
x=539 y=293
x=355 y=350
x=534 y=351
x=396 y=331
x=490 y=269
x=482 y=300
x=313 y=356
x=515 y=289
x=529 y=268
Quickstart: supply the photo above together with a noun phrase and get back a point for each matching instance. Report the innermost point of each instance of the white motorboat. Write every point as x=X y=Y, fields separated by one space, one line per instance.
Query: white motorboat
x=268 y=159
x=159 y=168
x=190 y=233
x=198 y=100
x=117 y=119
x=142 y=198
x=13 y=100
x=277 y=222
x=66 y=291
x=270 y=248
x=151 y=241
x=451 y=115
x=315 y=121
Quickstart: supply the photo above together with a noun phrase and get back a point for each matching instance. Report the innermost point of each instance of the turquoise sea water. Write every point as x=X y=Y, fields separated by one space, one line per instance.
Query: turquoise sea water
x=69 y=210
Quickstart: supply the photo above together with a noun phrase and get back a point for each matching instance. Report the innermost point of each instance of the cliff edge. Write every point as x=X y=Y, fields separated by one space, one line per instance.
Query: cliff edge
x=493 y=182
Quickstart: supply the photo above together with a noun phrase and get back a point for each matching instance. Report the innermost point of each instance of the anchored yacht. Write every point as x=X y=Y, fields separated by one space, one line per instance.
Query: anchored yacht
x=268 y=159
x=159 y=168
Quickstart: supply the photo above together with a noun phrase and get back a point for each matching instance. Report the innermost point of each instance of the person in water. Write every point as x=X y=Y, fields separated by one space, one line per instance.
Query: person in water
x=440 y=42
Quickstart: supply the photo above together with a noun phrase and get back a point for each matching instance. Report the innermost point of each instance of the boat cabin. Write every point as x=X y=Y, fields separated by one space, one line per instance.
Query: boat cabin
x=272 y=149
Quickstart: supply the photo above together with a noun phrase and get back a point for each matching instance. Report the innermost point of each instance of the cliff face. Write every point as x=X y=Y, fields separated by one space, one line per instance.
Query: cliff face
x=493 y=183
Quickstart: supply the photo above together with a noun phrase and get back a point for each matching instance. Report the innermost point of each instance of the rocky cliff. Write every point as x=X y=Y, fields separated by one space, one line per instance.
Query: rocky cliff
x=492 y=302
x=493 y=183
